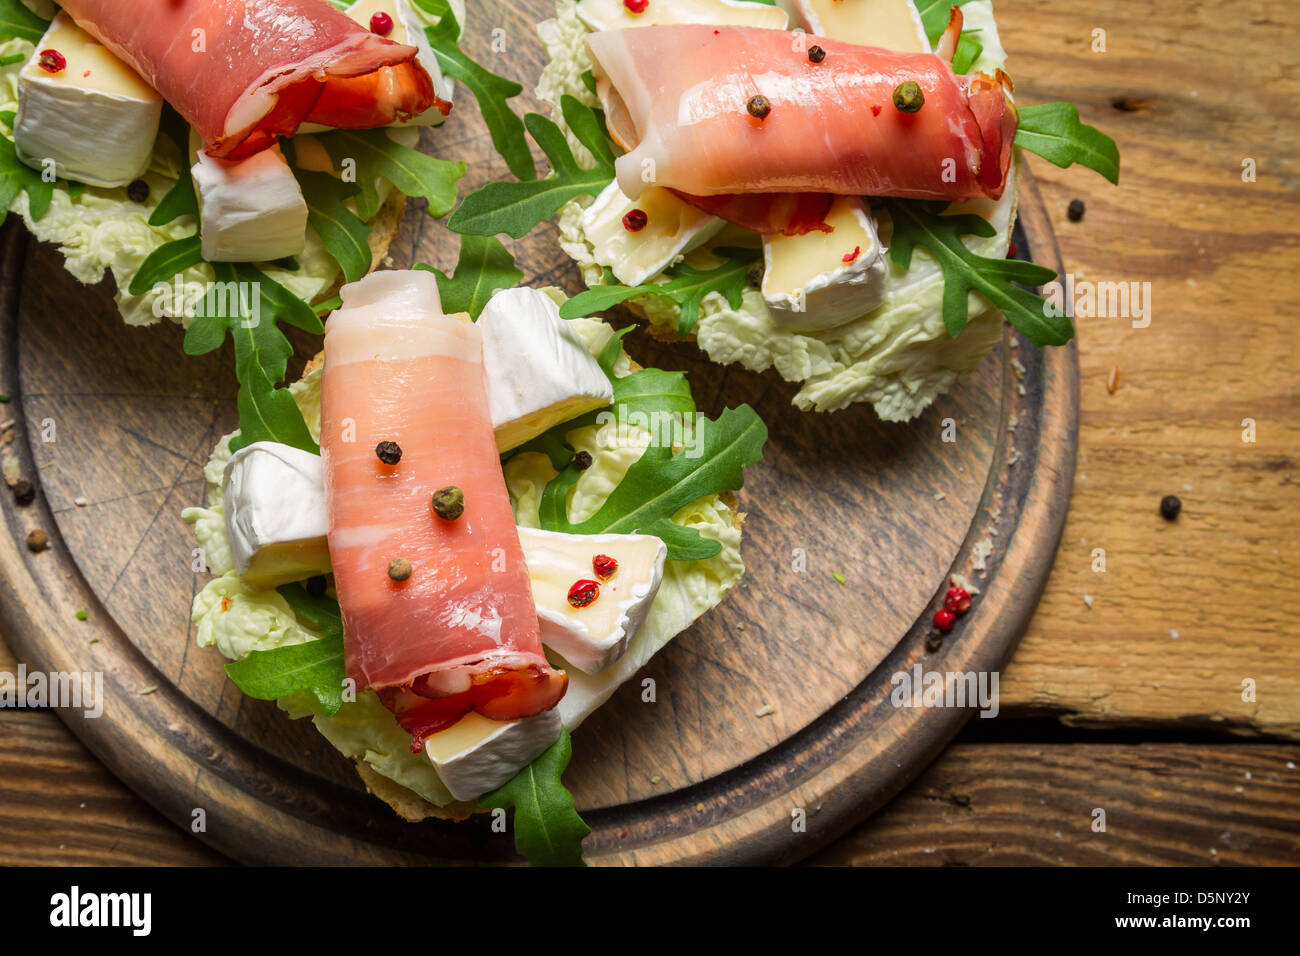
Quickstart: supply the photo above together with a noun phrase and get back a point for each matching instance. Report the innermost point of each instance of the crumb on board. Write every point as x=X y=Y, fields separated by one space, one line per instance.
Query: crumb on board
x=981 y=552
x=939 y=496
x=767 y=710
x=961 y=581
x=1087 y=599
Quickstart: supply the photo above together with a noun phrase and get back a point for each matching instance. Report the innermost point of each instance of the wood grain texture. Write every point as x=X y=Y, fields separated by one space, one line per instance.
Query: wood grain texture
x=1218 y=350
x=656 y=782
x=1033 y=805
x=1202 y=86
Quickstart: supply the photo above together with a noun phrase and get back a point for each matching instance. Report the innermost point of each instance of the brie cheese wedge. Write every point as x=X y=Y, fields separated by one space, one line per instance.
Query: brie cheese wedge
x=273 y=496
x=673 y=227
x=888 y=24
x=591 y=638
x=614 y=15
x=408 y=29
x=824 y=279
x=251 y=210
x=95 y=120
x=538 y=371
x=476 y=755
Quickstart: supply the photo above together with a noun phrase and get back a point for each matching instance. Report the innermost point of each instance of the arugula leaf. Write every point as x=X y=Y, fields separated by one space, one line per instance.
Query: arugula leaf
x=515 y=208
x=346 y=237
x=378 y=156
x=920 y=224
x=18 y=21
x=15 y=176
x=181 y=199
x=316 y=666
x=934 y=16
x=165 y=261
x=967 y=52
x=661 y=483
x=548 y=830
x=229 y=306
x=687 y=286
x=484 y=266
x=1054 y=132
x=491 y=91
x=267 y=413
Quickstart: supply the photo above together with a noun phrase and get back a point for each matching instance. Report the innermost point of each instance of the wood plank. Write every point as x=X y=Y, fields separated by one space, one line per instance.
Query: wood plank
x=1033 y=804
x=59 y=806
x=791 y=637
x=1222 y=346
x=979 y=804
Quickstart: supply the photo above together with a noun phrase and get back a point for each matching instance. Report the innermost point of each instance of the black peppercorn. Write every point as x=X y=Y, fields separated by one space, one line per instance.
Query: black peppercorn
x=1169 y=507
x=582 y=460
x=1076 y=210
x=759 y=106
x=389 y=452
x=24 y=492
x=933 y=642
x=399 y=569
x=816 y=54
x=316 y=585
x=138 y=191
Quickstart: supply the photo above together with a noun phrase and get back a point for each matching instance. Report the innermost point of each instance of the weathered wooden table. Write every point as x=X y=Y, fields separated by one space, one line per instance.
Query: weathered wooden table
x=1126 y=693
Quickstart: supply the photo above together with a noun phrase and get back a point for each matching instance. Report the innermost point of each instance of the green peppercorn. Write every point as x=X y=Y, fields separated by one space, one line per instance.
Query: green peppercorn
x=449 y=503
x=399 y=569
x=908 y=97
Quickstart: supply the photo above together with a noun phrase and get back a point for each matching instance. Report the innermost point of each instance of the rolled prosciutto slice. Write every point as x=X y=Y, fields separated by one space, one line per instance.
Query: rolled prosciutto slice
x=438 y=612
x=243 y=72
x=719 y=110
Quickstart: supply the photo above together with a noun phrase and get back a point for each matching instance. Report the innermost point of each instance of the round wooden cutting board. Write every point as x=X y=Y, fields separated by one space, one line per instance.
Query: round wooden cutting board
x=772 y=731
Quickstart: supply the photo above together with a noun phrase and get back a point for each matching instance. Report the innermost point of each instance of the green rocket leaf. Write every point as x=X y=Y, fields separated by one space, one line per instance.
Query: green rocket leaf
x=1054 y=132
x=920 y=224
x=316 y=667
x=514 y=208
x=548 y=830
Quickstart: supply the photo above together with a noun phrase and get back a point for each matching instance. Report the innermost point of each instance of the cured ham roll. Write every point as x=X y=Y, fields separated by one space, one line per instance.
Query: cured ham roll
x=683 y=97
x=438 y=611
x=243 y=72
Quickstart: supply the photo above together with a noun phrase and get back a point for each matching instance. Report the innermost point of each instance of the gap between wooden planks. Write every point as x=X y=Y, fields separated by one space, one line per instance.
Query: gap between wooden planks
x=1188 y=610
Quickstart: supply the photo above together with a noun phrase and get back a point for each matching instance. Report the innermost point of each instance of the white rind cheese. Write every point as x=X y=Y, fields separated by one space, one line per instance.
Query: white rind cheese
x=539 y=371
x=251 y=210
x=824 y=279
x=96 y=120
x=273 y=496
x=614 y=15
x=476 y=755
x=673 y=228
x=888 y=24
x=592 y=638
